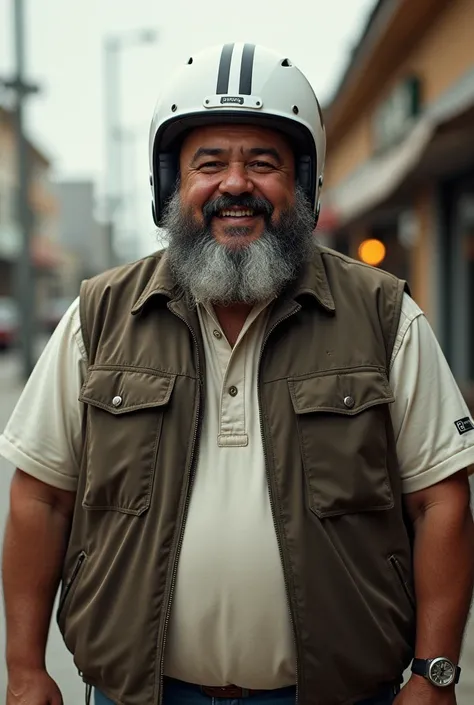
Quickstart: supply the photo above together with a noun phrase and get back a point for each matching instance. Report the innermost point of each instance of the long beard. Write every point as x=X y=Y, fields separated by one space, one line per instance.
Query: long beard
x=210 y=272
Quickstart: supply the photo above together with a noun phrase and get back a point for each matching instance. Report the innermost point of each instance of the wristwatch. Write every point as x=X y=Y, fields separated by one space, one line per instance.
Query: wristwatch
x=440 y=671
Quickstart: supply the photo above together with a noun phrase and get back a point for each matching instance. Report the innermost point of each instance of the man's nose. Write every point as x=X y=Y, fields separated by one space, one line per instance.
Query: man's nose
x=236 y=181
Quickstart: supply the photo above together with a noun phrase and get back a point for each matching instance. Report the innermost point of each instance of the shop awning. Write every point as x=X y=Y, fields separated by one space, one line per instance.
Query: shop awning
x=379 y=178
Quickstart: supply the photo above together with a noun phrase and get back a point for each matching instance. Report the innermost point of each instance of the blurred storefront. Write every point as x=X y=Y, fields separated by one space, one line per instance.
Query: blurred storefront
x=87 y=241
x=46 y=253
x=400 y=165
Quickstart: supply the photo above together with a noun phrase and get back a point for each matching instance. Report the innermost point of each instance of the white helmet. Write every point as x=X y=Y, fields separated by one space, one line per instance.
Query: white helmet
x=237 y=83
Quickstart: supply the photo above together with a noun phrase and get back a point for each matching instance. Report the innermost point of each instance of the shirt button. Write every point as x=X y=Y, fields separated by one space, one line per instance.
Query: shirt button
x=217 y=334
x=349 y=402
x=116 y=401
x=233 y=391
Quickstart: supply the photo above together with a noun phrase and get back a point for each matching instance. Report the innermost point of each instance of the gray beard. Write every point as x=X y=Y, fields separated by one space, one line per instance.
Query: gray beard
x=210 y=272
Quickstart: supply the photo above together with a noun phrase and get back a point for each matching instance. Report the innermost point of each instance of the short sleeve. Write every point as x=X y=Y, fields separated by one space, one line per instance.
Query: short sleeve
x=43 y=436
x=433 y=428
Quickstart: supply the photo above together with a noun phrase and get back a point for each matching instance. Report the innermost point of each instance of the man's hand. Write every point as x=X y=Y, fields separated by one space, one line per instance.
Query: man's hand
x=419 y=692
x=34 y=687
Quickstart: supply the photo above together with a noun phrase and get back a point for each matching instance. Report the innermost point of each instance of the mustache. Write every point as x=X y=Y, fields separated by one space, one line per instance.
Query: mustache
x=260 y=206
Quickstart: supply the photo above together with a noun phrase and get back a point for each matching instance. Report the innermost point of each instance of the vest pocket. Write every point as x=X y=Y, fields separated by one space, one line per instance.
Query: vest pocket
x=342 y=420
x=125 y=410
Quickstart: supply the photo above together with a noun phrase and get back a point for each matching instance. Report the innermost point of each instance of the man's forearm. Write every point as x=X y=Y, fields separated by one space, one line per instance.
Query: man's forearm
x=35 y=542
x=444 y=574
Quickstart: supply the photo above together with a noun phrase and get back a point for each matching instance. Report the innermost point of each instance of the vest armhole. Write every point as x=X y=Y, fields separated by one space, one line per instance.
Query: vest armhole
x=402 y=288
x=83 y=317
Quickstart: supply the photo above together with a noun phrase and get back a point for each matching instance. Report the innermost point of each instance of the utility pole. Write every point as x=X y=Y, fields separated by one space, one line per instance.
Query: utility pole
x=114 y=47
x=24 y=278
x=113 y=154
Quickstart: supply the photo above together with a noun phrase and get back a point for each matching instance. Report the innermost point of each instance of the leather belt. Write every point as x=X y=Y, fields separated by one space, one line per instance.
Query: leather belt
x=231 y=692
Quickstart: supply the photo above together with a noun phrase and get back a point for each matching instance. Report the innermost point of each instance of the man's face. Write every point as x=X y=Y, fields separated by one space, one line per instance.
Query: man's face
x=238 y=228
x=236 y=180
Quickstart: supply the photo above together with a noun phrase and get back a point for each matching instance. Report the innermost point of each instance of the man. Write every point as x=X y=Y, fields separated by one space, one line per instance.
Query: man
x=244 y=457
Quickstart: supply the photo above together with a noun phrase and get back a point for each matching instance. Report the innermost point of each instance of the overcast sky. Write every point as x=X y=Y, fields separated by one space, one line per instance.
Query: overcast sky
x=65 y=41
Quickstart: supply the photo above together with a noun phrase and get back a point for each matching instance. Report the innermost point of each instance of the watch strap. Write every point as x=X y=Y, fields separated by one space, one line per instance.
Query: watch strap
x=421 y=666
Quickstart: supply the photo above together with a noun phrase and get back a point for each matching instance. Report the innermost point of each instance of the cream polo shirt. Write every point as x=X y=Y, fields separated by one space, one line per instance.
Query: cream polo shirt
x=230 y=620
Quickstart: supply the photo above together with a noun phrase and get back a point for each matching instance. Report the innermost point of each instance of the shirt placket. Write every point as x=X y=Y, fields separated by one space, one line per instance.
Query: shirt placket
x=232 y=427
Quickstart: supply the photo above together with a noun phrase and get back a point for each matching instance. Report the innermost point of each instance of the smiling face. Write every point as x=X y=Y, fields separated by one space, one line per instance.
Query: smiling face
x=238 y=227
x=236 y=180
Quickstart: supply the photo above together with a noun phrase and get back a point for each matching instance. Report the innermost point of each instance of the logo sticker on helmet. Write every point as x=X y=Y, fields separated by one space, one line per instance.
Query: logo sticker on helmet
x=252 y=102
x=233 y=99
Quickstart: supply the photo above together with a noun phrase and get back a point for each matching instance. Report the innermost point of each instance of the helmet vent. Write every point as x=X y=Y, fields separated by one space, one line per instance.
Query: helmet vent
x=286 y=62
x=190 y=60
x=295 y=109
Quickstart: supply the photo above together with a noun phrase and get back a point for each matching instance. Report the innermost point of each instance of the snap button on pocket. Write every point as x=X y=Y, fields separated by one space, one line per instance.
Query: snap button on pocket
x=349 y=402
x=116 y=401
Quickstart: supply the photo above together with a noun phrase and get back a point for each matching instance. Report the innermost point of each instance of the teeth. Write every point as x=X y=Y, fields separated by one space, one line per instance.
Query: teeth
x=235 y=213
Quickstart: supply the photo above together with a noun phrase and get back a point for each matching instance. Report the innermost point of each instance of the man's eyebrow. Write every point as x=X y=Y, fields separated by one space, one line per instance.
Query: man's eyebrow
x=266 y=151
x=254 y=152
x=206 y=152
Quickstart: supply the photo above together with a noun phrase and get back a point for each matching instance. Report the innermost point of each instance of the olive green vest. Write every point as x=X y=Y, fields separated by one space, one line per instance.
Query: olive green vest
x=331 y=466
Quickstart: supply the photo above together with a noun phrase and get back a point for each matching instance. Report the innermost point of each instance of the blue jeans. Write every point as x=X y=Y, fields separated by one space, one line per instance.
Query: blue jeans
x=178 y=693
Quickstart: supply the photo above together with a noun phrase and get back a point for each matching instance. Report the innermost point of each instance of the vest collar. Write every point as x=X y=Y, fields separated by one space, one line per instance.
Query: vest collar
x=161 y=283
x=313 y=281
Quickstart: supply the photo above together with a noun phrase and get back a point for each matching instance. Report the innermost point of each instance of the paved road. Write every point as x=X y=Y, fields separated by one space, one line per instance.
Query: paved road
x=59 y=660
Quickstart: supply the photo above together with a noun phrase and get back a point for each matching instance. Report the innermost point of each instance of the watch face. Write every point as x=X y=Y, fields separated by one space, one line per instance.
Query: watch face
x=442 y=672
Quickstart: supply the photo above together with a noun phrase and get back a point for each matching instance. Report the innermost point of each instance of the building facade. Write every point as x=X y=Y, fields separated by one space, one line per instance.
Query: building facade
x=46 y=256
x=400 y=164
x=87 y=241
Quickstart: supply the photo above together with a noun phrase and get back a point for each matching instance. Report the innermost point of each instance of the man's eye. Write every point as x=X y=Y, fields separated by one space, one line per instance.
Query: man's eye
x=210 y=165
x=262 y=165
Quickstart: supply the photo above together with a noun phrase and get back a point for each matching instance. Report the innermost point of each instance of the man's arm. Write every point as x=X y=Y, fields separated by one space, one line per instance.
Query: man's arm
x=443 y=572
x=36 y=537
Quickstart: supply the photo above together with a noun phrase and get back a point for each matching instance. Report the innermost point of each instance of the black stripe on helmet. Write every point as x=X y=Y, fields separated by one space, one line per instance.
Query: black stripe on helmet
x=246 y=69
x=224 y=69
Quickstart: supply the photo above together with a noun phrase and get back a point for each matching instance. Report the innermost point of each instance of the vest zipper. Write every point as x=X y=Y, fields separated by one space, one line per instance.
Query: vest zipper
x=185 y=513
x=80 y=560
x=394 y=562
x=272 y=503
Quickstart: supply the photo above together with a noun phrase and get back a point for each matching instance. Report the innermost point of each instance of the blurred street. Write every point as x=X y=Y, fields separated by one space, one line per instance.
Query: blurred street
x=60 y=662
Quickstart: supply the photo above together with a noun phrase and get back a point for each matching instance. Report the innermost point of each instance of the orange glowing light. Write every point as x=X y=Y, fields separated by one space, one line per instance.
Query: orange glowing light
x=372 y=252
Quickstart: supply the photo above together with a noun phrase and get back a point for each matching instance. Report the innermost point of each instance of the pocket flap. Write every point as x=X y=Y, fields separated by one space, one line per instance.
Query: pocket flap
x=122 y=391
x=343 y=392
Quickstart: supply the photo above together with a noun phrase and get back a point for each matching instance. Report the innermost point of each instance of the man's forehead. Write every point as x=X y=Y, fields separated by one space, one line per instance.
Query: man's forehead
x=233 y=137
